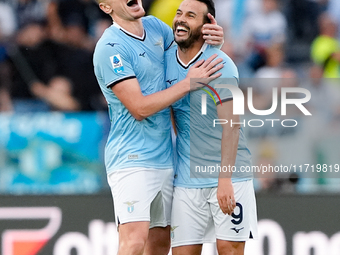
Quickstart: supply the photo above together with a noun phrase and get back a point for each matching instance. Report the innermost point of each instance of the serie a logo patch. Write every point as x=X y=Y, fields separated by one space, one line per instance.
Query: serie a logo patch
x=117 y=63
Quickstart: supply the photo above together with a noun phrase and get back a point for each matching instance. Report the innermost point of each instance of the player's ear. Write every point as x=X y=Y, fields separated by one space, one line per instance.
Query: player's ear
x=105 y=8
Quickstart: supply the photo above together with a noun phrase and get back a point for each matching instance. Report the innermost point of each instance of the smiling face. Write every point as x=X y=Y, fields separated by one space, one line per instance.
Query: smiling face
x=123 y=9
x=188 y=22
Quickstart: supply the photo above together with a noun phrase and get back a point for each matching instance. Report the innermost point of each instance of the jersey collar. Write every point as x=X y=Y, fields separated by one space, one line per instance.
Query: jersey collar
x=194 y=59
x=130 y=34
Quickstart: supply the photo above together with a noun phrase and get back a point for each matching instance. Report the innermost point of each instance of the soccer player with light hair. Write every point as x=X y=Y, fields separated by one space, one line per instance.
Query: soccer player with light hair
x=129 y=66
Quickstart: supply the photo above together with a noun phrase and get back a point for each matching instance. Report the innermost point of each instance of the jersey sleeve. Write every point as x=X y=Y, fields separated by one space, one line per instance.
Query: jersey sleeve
x=229 y=77
x=113 y=64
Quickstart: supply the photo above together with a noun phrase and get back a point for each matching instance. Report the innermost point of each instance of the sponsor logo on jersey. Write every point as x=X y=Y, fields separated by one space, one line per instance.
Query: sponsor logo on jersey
x=112 y=44
x=171 y=81
x=237 y=230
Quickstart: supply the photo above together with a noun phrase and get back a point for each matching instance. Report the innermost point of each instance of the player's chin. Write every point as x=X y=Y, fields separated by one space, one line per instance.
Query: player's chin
x=139 y=14
x=180 y=38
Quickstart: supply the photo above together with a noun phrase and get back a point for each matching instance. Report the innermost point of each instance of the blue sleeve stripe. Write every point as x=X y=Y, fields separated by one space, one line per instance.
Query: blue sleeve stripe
x=224 y=100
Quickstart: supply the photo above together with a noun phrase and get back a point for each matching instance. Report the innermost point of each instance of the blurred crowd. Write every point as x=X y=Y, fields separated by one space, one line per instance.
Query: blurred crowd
x=46 y=49
x=46 y=52
x=46 y=46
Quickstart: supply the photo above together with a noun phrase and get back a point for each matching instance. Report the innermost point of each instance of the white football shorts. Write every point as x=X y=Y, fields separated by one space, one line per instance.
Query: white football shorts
x=196 y=217
x=142 y=194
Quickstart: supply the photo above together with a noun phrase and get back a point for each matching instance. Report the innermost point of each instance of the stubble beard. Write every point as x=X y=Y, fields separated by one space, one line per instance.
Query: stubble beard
x=186 y=44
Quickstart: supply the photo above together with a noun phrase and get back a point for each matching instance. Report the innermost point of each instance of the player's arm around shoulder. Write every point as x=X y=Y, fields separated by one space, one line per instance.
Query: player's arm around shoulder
x=142 y=106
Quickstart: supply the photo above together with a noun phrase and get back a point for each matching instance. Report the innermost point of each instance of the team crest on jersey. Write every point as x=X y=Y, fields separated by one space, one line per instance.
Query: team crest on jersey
x=160 y=43
x=131 y=206
x=172 y=233
x=117 y=63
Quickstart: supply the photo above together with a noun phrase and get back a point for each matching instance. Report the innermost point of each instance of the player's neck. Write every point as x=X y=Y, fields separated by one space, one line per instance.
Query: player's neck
x=186 y=55
x=134 y=27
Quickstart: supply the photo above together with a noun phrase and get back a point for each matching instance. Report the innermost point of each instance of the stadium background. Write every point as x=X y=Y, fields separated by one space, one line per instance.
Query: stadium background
x=53 y=124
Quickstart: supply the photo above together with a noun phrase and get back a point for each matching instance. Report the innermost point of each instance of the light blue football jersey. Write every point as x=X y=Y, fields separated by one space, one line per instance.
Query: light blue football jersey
x=198 y=143
x=120 y=55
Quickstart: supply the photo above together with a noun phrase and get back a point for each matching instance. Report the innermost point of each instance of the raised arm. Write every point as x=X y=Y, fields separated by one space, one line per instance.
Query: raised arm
x=212 y=32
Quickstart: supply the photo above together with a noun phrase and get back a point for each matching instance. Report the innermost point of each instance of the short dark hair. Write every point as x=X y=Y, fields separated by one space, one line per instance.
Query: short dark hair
x=211 y=9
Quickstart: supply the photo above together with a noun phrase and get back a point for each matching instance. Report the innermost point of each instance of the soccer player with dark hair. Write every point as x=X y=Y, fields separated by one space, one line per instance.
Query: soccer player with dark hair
x=217 y=205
